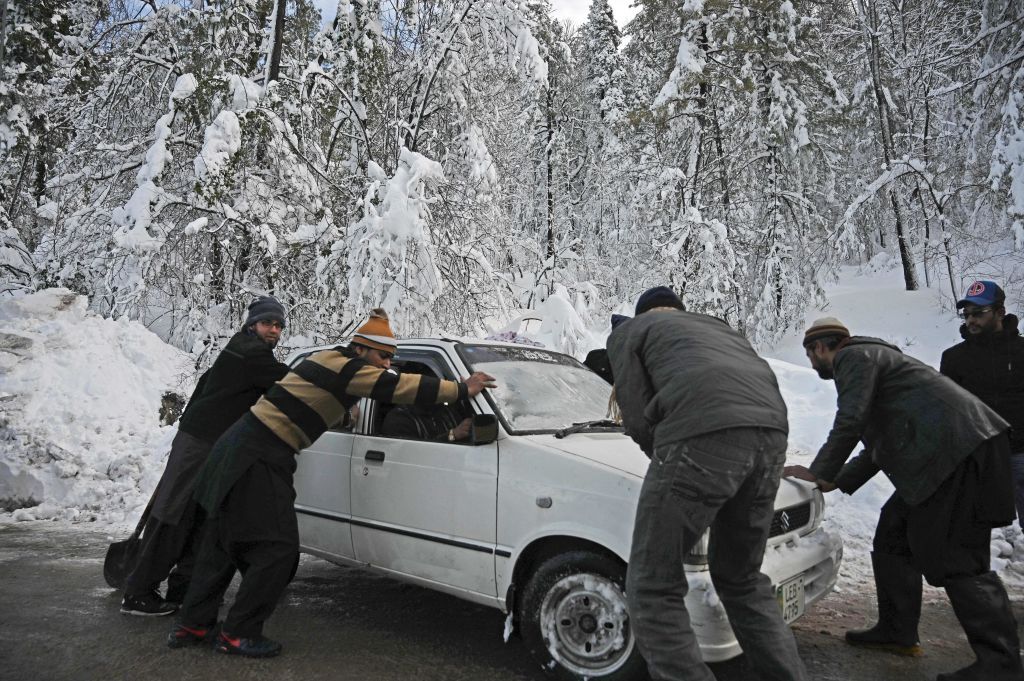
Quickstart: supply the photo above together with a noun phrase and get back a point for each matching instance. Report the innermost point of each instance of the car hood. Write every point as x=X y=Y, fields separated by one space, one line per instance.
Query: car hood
x=610 y=449
x=618 y=451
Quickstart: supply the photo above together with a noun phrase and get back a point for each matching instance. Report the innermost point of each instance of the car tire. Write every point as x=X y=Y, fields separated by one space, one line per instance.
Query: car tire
x=573 y=619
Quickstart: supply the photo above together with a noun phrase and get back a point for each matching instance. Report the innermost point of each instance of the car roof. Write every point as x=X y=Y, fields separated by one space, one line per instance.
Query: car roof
x=436 y=341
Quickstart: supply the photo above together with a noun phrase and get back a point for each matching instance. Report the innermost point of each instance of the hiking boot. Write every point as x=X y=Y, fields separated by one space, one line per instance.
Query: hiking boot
x=182 y=636
x=147 y=605
x=258 y=646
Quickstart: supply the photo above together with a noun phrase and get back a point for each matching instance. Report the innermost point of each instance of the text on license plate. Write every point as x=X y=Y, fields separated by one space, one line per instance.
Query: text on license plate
x=790 y=596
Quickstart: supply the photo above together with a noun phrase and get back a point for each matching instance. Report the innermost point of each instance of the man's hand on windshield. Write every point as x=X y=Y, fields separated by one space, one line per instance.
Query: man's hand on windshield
x=478 y=381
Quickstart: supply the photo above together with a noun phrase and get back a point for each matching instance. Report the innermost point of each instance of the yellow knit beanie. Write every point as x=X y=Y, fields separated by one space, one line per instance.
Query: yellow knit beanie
x=376 y=332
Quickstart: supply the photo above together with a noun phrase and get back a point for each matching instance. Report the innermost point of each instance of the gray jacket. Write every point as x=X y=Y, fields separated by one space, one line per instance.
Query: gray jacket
x=916 y=424
x=680 y=374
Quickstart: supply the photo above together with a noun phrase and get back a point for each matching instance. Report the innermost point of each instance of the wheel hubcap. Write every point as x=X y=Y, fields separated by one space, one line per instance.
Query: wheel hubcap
x=585 y=623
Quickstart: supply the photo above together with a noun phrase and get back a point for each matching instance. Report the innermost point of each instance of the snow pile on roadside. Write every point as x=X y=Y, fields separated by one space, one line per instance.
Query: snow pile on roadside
x=79 y=409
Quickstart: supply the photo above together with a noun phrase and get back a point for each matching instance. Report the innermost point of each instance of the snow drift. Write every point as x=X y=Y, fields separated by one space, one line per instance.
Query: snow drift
x=79 y=409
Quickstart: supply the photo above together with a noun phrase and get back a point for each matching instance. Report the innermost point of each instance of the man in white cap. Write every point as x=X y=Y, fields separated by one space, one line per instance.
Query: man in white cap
x=946 y=454
x=246 y=487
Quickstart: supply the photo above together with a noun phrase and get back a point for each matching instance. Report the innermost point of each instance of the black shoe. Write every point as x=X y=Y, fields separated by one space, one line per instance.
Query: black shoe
x=247 y=647
x=877 y=638
x=898 y=585
x=182 y=636
x=146 y=605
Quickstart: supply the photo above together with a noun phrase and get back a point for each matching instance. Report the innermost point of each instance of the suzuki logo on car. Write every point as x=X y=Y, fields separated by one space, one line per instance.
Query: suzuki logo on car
x=784 y=519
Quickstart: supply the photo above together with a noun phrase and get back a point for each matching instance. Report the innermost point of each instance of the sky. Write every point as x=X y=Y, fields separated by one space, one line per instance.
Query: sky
x=573 y=10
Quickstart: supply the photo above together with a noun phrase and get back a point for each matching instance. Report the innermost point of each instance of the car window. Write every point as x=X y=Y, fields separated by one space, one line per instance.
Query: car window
x=539 y=390
x=418 y=423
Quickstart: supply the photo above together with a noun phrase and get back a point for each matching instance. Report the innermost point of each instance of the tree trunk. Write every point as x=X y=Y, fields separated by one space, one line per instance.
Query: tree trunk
x=217 y=287
x=548 y=187
x=927 y=237
x=3 y=35
x=906 y=257
x=277 y=38
x=869 y=20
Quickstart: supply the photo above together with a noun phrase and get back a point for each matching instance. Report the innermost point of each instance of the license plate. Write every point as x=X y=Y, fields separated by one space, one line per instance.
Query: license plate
x=790 y=596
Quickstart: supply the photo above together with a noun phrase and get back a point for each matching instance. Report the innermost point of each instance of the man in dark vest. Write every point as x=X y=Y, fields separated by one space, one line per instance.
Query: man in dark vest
x=947 y=455
x=246 y=486
x=245 y=368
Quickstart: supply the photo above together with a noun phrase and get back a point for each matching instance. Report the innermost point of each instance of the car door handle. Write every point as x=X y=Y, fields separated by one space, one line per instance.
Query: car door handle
x=374 y=455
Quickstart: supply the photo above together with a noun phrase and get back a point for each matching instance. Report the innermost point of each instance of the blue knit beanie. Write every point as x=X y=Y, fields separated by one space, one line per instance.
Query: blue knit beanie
x=264 y=308
x=659 y=296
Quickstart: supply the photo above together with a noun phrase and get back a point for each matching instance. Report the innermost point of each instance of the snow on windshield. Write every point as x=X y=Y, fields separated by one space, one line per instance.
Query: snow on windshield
x=539 y=390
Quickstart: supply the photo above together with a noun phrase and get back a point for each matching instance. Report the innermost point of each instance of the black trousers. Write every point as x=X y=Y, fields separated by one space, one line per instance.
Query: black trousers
x=166 y=552
x=255 y=533
x=948 y=534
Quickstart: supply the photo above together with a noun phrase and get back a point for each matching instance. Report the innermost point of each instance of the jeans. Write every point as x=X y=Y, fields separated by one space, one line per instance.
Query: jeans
x=725 y=480
x=1017 y=467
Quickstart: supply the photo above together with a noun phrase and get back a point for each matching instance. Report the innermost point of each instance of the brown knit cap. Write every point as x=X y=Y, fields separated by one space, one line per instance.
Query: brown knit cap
x=823 y=328
x=376 y=332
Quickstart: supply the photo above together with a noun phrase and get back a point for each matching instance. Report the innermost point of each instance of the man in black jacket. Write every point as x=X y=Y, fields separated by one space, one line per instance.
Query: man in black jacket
x=990 y=364
x=707 y=411
x=946 y=454
x=242 y=372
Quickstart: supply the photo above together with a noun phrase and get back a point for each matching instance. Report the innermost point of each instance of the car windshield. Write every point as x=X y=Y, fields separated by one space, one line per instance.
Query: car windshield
x=538 y=389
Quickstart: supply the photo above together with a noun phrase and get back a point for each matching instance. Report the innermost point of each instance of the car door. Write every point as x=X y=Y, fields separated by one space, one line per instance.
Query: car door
x=426 y=510
x=323 y=495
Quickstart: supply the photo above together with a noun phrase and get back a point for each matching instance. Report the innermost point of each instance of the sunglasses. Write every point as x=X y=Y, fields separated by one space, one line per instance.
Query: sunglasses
x=976 y=312
x=385 y=355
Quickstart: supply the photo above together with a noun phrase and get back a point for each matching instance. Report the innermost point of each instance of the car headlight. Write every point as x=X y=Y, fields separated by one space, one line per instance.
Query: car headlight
x=817 y=508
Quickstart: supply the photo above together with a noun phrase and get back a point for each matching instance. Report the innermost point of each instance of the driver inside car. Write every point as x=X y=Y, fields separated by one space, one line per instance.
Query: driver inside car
x=435 y=422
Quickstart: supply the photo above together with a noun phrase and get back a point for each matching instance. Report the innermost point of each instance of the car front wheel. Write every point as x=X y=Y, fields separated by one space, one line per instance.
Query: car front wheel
x=574 y=620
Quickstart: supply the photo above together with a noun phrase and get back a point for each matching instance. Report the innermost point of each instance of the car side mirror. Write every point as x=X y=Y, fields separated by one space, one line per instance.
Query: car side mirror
x=485 y=429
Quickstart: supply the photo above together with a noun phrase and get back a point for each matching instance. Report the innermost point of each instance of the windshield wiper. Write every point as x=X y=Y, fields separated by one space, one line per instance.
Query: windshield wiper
x=600 y=426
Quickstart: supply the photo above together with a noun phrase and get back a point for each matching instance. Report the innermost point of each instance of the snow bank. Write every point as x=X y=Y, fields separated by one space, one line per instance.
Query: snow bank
x=79 y=409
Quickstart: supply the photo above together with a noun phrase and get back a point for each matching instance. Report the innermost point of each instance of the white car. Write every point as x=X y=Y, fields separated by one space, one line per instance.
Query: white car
x=533 y=515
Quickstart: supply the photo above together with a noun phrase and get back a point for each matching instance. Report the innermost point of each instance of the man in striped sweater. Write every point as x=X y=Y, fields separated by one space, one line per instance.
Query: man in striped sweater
x=246 y=486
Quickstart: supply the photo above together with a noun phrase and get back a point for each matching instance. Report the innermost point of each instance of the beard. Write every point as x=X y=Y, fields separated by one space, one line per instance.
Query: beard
x=825 y=373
